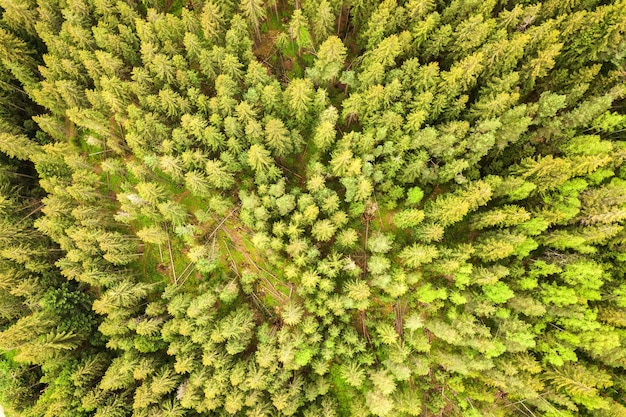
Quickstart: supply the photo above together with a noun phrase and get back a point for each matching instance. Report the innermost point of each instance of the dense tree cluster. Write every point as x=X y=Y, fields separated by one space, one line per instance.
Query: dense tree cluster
x=312 y=208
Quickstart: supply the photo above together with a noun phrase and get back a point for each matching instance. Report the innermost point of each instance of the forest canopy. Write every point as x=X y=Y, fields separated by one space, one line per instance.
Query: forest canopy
x=312 y=208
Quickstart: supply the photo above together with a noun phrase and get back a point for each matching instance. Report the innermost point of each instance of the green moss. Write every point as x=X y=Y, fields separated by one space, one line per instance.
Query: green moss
x=342 y=391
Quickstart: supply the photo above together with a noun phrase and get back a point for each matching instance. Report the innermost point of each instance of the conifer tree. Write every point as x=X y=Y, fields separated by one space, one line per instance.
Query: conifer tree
x=254 y=11
x=189 y=226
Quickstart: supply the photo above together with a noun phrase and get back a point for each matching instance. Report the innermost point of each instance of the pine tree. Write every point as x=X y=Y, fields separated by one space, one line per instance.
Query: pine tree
x=323 y=20
x=277 y=137
x=254 y=11
x=325 y=132
x=198 y=183
x=297 y=24
x=330 y=59
x=299 y=98
x=18 y=146
x=259 y=158
x=323 y=230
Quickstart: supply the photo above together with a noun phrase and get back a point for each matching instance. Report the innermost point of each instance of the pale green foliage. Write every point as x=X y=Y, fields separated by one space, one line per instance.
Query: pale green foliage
x=417 y=255
x=347 y=238
x=18 y=146
x=323 y=230
x=408 y=218
x=153 y=234
x=325 y=131
x=360 y=292
x=254 y=11
x=277 y=137
x=299 y=96
x=353 y=374
x=387 y=333
x=291 y=314
x=379 y=243
x=330 y=59
x=259 y=158
x=312 y=208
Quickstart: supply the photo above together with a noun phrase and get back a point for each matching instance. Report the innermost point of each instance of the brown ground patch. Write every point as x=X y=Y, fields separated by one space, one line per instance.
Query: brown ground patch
x=266 y=47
